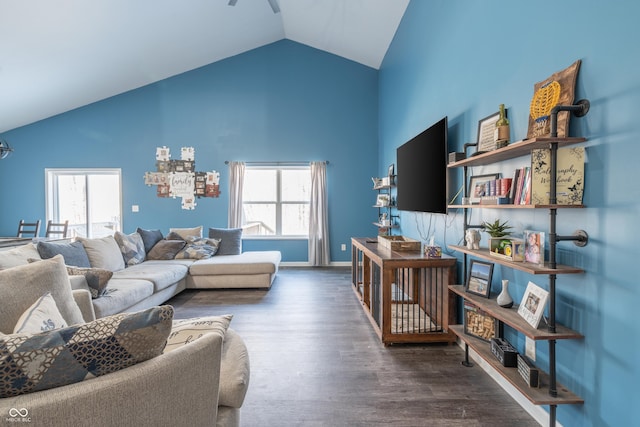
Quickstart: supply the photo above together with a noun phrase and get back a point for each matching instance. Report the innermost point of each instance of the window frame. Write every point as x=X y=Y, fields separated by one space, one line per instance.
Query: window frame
x=51 y=192
x=278 y=202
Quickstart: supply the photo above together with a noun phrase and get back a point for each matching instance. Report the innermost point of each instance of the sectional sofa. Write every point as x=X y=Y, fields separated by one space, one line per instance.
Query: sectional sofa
x=145 y=268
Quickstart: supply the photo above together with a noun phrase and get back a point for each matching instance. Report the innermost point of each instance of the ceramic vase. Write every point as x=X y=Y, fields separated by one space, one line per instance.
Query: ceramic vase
x=504 y=299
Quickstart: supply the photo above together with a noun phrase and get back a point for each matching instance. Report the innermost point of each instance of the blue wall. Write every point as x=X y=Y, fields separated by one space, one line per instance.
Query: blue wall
x=282 y=102
x=462 y=59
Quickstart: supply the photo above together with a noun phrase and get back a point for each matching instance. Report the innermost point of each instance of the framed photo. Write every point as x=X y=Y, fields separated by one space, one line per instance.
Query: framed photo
x=534 y=247
x=382 y=200
x=533 y=303
x=479 y=280
x=478 y=186
x=391 y=174
x=486 y=133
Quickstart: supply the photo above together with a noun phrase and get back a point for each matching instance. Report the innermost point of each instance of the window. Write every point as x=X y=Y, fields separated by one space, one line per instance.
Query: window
x=276 y=201
x=90 y=199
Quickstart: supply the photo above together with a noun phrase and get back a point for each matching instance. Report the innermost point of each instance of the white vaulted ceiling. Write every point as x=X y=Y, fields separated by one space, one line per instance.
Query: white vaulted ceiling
x=57 y=55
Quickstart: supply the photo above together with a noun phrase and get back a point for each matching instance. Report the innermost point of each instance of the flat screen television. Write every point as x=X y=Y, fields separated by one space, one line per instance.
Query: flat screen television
x=422 y=171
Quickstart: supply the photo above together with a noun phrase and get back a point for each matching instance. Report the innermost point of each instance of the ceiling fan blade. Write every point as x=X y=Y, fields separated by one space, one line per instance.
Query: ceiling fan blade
x=274 y=6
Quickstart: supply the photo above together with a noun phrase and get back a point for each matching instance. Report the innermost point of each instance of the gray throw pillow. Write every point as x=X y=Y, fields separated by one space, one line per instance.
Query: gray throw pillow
x=73 y=253
x=21 y=286
x=230 y=240
x=104 y=253
x=166 y=249
x=149 y=238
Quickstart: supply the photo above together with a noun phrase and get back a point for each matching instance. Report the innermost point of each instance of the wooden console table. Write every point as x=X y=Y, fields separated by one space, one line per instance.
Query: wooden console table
x=404 y=293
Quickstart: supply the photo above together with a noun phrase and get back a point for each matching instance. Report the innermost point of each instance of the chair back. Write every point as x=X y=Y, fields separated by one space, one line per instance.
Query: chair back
x=57 y=229
x=28 y=229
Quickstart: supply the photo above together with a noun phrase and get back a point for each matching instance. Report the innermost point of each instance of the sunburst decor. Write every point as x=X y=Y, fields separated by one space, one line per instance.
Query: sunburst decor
x=558 y=89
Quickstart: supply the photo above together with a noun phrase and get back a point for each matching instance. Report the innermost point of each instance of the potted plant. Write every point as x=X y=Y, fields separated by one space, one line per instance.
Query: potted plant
x=501 y=244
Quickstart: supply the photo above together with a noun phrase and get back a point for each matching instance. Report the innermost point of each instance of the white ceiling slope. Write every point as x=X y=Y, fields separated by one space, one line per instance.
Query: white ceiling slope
x=57 y=55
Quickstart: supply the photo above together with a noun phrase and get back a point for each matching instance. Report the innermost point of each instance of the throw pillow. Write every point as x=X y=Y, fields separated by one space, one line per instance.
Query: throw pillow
x=73 y=253
x=199 y=248
x=42 y=316
x=175 y=236
x=166 y=249
x=230 y=240
x=131 y=246
x=18 y=256
x=149 y=238
x=103 y=253
x=97 y=279
x=186 y=232
x=75 y=353
x=24 y=284
x=187 y=330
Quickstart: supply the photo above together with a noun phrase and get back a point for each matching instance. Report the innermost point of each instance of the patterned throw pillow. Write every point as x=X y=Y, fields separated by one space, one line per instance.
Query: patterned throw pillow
x=187 y=330
x=199 y=248
x=42 y=316
x=131 y=246
x=187 y=232
x=64 y=356
x=97 y=279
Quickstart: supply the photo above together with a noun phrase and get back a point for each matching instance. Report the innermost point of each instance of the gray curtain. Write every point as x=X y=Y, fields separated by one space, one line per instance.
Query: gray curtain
x=318 y=212
x=236 y=182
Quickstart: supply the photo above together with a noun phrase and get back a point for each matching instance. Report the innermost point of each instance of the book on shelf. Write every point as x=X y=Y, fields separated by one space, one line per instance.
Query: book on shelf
x=569 y=175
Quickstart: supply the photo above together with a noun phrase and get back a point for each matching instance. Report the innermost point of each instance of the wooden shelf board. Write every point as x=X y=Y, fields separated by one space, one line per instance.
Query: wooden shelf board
x=377 y=224
x=513 y=150
x=537 y=396
x=527 y=267
x=516 y=206
x=511 y=317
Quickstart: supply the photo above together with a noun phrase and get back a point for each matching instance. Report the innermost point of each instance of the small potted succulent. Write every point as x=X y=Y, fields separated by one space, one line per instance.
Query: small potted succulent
x=501 y=244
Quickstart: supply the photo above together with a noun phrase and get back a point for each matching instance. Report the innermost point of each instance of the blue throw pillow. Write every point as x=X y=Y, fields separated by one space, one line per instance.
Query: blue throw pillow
x=149 y=238
x=73 y=253
x=230 y=240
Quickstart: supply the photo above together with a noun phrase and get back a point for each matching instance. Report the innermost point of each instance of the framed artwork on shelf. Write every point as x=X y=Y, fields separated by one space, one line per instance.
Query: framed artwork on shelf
x=486 y=133
x=383 y=200
x=479 y=280
x=391 y=173
x=478 y=186
x=478 y=323
x=534 y=247
x=533 y=303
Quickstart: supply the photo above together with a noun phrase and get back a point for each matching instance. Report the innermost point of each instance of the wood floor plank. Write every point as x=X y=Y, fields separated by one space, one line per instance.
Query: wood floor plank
x=315 y=361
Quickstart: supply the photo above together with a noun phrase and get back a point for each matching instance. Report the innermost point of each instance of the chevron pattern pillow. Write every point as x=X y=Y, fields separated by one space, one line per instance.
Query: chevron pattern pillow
x=33 y=362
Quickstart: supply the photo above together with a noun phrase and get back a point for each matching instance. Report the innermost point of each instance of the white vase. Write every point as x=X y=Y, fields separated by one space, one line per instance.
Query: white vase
x=504 y=299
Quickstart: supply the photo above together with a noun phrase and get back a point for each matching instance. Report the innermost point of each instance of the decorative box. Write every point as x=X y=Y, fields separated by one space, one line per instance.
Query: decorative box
x=528 y=371
x=507 y=248
x=504 y=352
x=478 y=323
x=433 y=251
x=399 y=243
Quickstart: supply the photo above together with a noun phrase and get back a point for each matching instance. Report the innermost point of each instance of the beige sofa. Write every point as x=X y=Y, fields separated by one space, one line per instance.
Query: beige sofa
x=153 y=282
x=202 y=383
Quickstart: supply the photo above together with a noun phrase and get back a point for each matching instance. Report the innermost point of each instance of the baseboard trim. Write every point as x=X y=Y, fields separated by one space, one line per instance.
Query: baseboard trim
x=537 y=412
x=307 y=264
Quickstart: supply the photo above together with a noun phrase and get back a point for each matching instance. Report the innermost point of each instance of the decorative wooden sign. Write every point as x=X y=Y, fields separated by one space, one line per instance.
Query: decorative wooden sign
x=178 y=178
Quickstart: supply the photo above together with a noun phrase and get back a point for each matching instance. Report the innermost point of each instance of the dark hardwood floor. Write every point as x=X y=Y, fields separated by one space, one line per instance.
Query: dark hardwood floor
x=316 y=361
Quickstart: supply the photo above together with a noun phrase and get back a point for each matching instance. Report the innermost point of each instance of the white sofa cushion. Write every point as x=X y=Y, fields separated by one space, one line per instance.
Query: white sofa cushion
x=162 y=276
x=120 y=295
x=253 y=262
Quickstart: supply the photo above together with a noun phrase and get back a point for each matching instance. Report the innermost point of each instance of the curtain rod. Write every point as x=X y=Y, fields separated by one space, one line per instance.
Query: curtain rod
x=226 y=162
